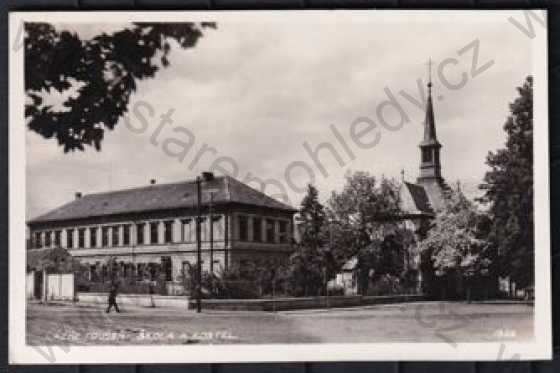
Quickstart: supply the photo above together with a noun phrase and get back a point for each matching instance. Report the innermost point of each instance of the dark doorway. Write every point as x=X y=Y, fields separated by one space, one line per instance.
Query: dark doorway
x=38 y=284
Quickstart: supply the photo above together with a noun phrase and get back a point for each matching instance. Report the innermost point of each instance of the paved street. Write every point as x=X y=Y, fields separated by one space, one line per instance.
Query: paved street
x=413 y=322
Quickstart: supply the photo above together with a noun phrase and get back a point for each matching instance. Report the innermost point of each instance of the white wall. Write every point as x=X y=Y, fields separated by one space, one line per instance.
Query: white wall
x=60 y=286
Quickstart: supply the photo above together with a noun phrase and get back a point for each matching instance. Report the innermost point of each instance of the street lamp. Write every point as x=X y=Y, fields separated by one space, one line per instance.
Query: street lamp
x=206 y=176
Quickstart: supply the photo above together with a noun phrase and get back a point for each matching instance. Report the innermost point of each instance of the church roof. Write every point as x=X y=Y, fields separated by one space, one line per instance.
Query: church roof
x=430 y=137
x=415 y=200
x=155 y=197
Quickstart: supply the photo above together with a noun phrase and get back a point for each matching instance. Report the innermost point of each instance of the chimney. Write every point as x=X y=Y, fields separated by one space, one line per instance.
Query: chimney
x=207 y=176
x=78 y=195
x=152 y=181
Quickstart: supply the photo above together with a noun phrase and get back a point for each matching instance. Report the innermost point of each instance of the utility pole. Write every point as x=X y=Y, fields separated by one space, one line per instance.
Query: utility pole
x=207 y=177
x=198 y=248
x=211 y=232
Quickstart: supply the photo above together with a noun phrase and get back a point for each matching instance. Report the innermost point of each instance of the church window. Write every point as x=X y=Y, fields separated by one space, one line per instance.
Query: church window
x=426 y=155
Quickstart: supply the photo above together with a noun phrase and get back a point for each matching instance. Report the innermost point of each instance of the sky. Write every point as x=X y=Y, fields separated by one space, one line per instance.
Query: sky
x=262 y=93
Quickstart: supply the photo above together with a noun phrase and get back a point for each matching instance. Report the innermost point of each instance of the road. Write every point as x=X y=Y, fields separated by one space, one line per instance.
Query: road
x=407 y=322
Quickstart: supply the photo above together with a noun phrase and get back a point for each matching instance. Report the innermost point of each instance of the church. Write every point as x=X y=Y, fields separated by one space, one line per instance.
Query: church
x=419 y=203
x=422 y=199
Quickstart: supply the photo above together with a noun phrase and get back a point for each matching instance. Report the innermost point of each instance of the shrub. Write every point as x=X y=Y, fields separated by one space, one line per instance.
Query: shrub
x=386 y=285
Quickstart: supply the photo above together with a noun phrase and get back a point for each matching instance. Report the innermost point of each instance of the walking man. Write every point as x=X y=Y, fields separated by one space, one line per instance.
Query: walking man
x=113 y=297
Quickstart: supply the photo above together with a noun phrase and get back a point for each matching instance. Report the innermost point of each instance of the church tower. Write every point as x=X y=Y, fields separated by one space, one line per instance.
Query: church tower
x=430 y=167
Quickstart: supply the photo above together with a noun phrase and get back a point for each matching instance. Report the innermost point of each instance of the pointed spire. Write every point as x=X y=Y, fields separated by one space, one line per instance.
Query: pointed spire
x=430 y=168
x=402 y=175
x=429 y=122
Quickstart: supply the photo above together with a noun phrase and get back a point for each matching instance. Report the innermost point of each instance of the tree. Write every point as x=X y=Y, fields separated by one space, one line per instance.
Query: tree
x=310 y=266
x=311 y=219
x=457 y=243
x=358 y=216
x=508 y=187
x=97 y=75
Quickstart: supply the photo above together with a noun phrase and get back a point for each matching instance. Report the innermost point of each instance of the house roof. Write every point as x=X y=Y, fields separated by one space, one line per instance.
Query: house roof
x=156 y=197
x=415 y=199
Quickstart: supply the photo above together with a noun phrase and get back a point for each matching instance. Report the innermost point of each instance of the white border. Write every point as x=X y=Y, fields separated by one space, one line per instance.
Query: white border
x=540 y=348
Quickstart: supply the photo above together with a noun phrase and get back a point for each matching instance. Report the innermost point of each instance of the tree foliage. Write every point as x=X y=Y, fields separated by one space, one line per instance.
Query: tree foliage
x=457 y=242
x=359 y=215
x=508 y=187
x=97 y=75
x=311 y=219
x=360 y=211
x=311 y=265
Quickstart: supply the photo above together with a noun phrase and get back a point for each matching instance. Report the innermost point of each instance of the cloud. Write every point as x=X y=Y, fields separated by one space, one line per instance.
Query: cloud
x=257 y=91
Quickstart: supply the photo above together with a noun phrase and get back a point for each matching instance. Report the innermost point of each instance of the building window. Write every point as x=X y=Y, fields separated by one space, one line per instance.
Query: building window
x=70 y=238
x=105 y=236
x=115 y=235
x=38 y=240
x=154 y=232
x=126 y=234
x=140 y=233
x=217 y=228
x=166 y=267
x=186 y=230
x=270 y=234
x=257 y=229
x=203 y=228
x=426 y=155
x=283 y=228
x=168 y=232
x=243 y=228
x=81 y=238
x=57 y=235
x=93 y=237
x=48 y=239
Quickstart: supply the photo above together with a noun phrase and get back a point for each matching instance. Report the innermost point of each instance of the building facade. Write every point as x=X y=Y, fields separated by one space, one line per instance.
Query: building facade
x=154 y=227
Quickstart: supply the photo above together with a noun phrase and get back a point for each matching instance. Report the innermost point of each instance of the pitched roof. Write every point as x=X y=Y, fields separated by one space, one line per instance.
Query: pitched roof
x=418 y=200
x=161 y=197
x=430 y=137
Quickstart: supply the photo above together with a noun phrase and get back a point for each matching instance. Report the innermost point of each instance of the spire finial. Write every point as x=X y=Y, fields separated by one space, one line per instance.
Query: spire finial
x=402 y=174
x=429 y=74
